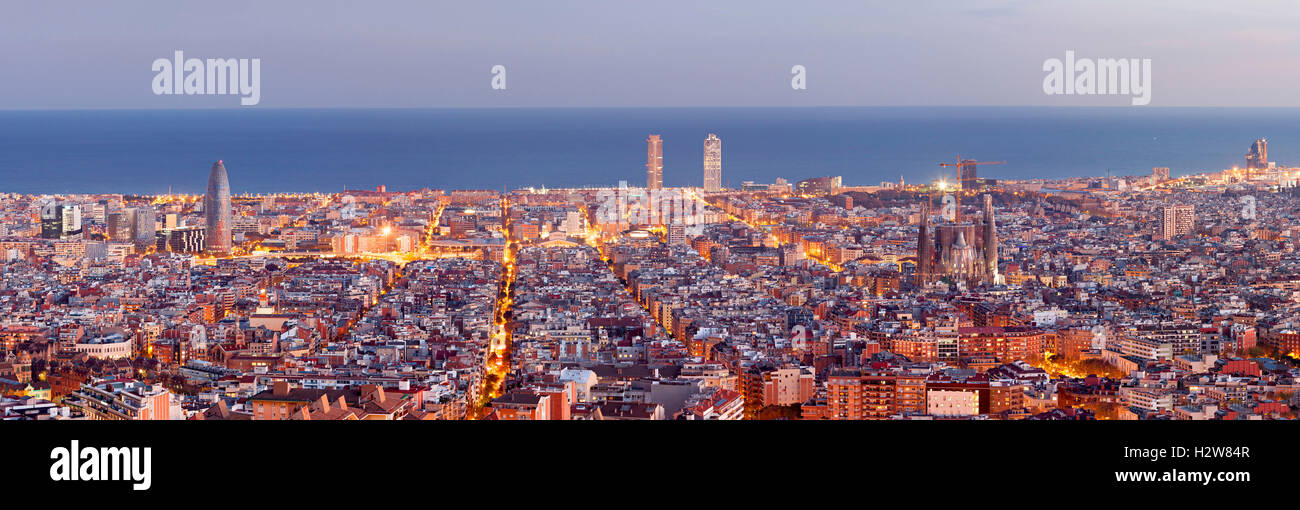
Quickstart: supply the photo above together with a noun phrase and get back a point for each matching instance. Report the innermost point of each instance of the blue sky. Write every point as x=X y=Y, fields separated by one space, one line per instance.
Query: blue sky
x=93 y=54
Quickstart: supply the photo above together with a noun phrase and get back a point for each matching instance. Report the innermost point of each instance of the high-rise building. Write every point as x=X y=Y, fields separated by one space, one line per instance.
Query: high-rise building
x=967 y=175
x=216 y=209
x=51 y=221
x=119 y=225
x=1257 y=158
x=712 y=163
x=676 y=234
x=143 y=227
x=71 y=221
x=60 y=221
x=1159 y=174
x=819 y=185
x=182 y=240
x=1177 y=220
x=97 y=211
x=654 y=162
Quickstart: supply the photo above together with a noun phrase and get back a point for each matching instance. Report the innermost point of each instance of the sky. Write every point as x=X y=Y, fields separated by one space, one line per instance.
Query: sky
x=89 y=54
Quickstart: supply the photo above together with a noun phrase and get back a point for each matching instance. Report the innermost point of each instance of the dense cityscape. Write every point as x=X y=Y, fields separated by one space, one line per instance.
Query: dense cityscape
x=1140 y=297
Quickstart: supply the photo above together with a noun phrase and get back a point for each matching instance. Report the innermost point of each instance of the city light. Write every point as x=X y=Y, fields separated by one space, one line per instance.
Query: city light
x=1068 y=287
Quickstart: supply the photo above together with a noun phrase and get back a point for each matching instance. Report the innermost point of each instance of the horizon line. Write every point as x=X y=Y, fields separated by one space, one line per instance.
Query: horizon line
x=641 y=107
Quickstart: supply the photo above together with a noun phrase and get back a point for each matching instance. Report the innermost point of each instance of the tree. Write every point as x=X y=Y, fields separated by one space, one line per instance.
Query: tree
x=775 y=412
x=1104 y=410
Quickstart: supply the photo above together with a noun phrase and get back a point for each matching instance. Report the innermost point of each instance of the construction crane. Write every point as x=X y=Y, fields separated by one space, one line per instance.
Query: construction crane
x=966 y=174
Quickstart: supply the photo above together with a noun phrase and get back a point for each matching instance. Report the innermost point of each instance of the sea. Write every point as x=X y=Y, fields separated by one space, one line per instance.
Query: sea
x=329 y=150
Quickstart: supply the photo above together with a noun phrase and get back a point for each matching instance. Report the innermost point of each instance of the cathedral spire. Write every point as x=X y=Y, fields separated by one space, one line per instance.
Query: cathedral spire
x=990 y=242
x=924 y=245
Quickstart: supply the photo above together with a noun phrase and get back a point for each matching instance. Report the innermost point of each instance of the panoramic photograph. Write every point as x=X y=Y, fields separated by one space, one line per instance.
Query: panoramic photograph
x=915 y=218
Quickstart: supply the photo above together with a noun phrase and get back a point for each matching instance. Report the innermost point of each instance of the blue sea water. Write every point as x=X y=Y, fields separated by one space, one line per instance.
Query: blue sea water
x=265 y=150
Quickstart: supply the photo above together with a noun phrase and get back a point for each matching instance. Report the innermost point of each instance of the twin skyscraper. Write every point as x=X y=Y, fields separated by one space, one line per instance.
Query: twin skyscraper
x=654 y=164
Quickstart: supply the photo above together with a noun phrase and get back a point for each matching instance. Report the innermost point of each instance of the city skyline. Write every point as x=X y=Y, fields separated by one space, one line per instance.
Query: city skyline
x=965 y=177
x=941 y=214
x=54 y=152
x=990 y=335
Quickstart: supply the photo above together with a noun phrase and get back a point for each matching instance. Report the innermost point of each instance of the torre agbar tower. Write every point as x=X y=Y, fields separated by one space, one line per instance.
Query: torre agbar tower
x=216 y=209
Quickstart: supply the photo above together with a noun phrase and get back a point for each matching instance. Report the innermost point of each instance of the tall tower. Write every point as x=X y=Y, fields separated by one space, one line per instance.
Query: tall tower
x=1177 y=220
x=1257 y=158
x=144 y=226
x=712 y=163
x=216 y=209
x=924 y=246
x=654 y=162
x=52 y=221
x=956 y=200
x=990 y=242
x=967 y=175
x=119 y=225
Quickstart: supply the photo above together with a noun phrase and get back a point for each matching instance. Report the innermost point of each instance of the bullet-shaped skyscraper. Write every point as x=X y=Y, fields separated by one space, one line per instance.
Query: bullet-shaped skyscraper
x=216 y=209
x=712 y=163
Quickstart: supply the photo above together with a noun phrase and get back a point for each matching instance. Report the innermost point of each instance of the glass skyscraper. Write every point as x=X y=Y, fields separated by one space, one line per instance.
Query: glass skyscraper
x=216 y=209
